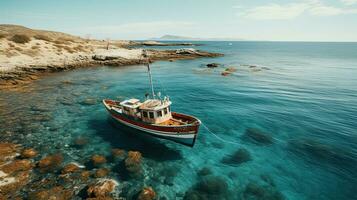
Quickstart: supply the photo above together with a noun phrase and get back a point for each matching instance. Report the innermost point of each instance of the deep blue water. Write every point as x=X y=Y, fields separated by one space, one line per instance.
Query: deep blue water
x=303 y=95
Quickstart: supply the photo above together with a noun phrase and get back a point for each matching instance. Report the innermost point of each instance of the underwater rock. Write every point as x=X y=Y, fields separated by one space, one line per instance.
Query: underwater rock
x=81 y=141
x=213 y=65
x=85 y=175
x=210 y=187
x=118 y=153
x=68 y=82
x=228 y=71
x=29 y=153
x=224 y=73
x=133 y=162
x=51 y=162
x=66 y=101
x=170 y=171
x=98 y=160
x=102 y=188
x=71 y=168
x=55 y=193
x=17 y=165
x=255 y=191
x=102 y=172
x=169 y=180
x=8 y=151
x=89 y=102
x=14 y=175
x=204 y=171
x=238 y=157
x=268 y=179
x=147 y=193
x=258 y=136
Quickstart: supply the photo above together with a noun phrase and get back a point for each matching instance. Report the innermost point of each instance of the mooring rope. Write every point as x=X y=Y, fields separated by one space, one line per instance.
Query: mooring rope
x=215 y=135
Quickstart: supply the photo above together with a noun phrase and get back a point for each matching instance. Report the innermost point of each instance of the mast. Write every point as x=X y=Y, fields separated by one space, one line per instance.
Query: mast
x=149 y=72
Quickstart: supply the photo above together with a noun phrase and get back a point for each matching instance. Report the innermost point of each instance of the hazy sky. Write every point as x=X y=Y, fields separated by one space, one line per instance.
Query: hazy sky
x=293 y=20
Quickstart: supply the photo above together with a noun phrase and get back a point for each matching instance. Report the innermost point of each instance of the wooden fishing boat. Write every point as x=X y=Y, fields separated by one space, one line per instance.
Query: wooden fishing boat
x=153 y=116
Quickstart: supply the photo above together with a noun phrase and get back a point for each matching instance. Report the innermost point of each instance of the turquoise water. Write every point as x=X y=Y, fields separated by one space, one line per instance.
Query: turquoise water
x=301 y=98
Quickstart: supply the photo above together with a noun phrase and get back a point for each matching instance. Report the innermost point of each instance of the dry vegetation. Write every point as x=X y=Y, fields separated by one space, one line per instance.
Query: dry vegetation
x=42 y=37
x=3 y=35
x=20 y=38
x=24 y=47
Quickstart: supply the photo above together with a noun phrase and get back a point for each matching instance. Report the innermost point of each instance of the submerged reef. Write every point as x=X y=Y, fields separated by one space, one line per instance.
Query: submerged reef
x=238 y=157
x=50 y=162
x=209 y=187
x=133 y=163
x=25 y=173
x=253 y=191
x=258 y=137
x=205 y=171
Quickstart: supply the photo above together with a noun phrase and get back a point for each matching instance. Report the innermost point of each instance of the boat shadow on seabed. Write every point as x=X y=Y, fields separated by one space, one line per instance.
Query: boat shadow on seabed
x=120 y=136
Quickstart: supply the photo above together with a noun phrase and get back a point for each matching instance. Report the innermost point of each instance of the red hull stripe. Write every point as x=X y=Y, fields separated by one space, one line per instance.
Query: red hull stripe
x=174 y=130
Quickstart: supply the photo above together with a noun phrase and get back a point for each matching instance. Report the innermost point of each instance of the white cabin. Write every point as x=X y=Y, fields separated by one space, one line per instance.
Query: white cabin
x=152 y=111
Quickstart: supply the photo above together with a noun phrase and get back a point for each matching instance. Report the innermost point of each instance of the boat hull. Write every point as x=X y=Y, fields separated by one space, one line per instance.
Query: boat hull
x=185 y=135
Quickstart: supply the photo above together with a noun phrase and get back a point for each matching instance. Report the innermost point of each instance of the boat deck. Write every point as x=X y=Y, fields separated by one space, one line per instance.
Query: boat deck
x=172 y=122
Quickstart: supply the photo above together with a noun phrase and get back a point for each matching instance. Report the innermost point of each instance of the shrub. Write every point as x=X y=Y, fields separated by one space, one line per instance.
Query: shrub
x=68 y=49
x=18 y=49
x=2 y=35
x=63 y=40
x=21 y=39
x=11 y=44
x=35 y=47
x=42 y=37
x=79 y=48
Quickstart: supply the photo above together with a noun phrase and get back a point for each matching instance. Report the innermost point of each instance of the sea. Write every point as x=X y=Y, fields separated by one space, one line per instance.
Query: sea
x=283 y=125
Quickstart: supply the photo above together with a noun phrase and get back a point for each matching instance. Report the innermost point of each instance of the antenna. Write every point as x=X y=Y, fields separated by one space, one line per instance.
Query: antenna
x=145 y=56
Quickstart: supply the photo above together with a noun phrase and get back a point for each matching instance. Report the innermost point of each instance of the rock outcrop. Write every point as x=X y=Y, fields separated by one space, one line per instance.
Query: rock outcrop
x=213 y=65
x=14 y=173
x=71 y=168
x=51 y=162
x=98 y=160
x=57 y=192
x=29 y=153
x=228 y=71
x=133 y=163
x=147 y=193
x=101 y=188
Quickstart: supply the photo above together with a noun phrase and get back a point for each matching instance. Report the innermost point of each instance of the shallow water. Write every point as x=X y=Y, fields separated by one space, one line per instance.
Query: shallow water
x=303 y=96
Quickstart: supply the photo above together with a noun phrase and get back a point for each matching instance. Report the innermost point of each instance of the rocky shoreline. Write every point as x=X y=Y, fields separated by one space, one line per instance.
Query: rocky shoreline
x=155 y=43
x=25 y=74
x=26 y=54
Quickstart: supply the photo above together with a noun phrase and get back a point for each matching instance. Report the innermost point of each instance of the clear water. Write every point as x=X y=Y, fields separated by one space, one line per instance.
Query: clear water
x=305 y=97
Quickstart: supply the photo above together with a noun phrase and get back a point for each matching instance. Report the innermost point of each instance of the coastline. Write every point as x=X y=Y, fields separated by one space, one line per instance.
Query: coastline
x=27 y=54
x=29 y=72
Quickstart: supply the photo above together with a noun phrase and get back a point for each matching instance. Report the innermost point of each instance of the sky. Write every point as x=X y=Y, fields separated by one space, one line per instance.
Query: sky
x=273 y=20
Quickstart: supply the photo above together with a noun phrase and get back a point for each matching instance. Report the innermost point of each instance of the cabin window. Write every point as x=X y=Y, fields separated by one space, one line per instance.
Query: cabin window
x=159 y=113
x=145 y=114
x=165 y=111
x=151 y=115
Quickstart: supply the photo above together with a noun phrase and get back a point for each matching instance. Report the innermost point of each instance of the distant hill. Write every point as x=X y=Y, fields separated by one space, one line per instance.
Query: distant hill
x=183 y=38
